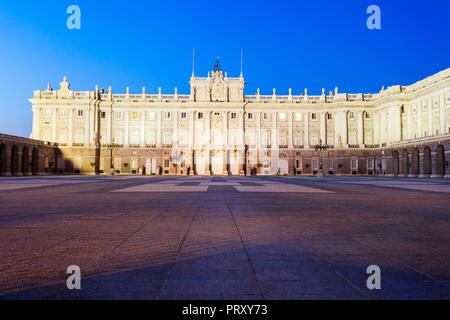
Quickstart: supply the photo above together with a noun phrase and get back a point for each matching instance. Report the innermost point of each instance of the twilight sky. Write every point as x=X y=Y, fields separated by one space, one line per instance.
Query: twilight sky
x=287 y=44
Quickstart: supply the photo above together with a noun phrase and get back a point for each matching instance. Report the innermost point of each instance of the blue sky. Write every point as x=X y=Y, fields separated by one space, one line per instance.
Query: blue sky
x=286 y=44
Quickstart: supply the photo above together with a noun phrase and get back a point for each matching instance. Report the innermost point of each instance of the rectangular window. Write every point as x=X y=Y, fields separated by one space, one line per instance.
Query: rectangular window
x=119 y=115
x=63 y=113
x=282 y=116
x=298 y=163
x=200 y=115
x=233 y=115
x=80 y=113
x=313 y=116
x=370 y=164
x=183 y=115
x=329 y=116
x=298 y=117
x=47 y=113
x=352 y=115
x=134 y=115
x=368 y=115
x=167 y=115
x=354 y=164
x=103 y=115
x=266 y=116
x=250 y=115
x=166 y=163
x=151 y=115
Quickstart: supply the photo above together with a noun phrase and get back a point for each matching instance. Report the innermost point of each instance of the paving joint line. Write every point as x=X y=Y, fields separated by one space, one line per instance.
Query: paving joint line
x=245 y=249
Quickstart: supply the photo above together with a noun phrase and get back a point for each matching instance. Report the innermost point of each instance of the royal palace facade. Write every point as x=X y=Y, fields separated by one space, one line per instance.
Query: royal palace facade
x=218 y=130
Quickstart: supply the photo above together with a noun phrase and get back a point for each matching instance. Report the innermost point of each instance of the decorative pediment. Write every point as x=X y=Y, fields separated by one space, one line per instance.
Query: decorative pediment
x=64 y=90
x=218 y=88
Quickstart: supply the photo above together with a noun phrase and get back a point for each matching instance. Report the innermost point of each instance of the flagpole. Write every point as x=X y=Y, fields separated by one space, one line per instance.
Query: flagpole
x=193 y=61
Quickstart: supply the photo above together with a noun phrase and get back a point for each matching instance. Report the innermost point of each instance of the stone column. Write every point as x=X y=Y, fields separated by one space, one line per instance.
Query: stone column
x=442 y=115
x=29 y=159
x=126 y=133
x=142 y=140
x=175 y=130
x=258 y=133
x=208 y=128
x=54 y=124
x=400 y=164
x=382 y=123
x=8 y=161
x=19 y=162
x=225 y=129
x=159 y=117
x=306 y=130
x=396 y=127
x=36 y=123
x=419 y=120
x=224 y=161
x=430 y=117
x=89 y=126
x=290 y=140
x=433 y=165
x=70 y=139
x=409 y=110
x=240 y=129
x=208 y=143
x=191 y=129
x=274 y=136
x=323 y=130
x=109 y=126
x=359 y=119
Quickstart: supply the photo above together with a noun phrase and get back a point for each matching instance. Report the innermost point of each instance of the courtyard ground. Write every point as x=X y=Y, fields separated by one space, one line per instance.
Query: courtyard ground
x=162 y=237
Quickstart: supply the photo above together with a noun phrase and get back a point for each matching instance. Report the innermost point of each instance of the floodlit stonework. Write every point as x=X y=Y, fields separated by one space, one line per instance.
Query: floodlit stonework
x=401 y=130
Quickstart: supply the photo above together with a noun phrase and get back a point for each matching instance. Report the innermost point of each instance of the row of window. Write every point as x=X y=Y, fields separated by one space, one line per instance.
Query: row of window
x=316 y=164
x=62 y=113
x=200 y=115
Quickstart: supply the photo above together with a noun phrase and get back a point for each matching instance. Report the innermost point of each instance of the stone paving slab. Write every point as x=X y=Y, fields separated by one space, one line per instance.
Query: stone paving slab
x=280 y=188
x=163 y=188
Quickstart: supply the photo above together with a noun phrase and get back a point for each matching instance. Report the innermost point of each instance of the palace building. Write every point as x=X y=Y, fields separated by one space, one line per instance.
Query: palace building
x=217 y=129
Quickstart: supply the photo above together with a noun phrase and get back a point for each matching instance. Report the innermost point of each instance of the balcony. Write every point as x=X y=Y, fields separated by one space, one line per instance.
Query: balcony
x=78 y=144
x=150 y=146
x=353 y=146
x=167 y=145
x=283 y=146
x=299 y=146
x=134 y=145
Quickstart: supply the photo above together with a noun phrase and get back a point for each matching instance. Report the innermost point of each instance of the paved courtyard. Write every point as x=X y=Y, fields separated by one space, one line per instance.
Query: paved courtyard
x=224 y=237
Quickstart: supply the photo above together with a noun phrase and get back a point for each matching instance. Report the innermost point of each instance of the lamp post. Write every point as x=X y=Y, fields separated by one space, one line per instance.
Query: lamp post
x=245 y=141
x=112 y=158
x=320 y=147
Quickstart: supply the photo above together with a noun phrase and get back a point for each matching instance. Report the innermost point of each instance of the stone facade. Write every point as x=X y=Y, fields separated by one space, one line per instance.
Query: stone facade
x=217 y=128
x=25 y=157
